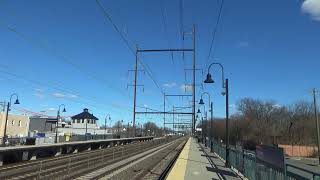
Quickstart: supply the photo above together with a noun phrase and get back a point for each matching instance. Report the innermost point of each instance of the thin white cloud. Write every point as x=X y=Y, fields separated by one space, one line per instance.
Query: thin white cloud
x=38 y=90
x=73 y=96
x=58 y=95
x=39 y=93
x=243 y=44
x=170 y=85
x=51 y=109
x=186 y=87
x=312 y=7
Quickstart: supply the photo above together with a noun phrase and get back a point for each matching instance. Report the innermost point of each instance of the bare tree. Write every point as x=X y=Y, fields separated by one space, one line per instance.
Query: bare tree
x=264 y=121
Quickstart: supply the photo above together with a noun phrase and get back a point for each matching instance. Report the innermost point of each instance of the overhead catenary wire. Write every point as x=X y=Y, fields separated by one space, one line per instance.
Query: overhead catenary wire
x=165 y=28
x=147 y=108
x=125 y=40
x=215 y=29
x=181 y=17
x=60 y=89
x=76 y=100
x=66 y=60
x=182 y=33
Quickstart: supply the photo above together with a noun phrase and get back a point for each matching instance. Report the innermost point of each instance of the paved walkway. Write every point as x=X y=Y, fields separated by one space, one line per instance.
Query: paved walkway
x=197 y=163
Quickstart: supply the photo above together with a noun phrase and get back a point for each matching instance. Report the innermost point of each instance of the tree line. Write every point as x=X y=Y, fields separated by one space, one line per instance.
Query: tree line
x=266 y=122
x=146 y=129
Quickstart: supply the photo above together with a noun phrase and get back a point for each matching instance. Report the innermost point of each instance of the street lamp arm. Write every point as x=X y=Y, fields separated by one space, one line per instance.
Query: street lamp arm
x=208 y=96
x=64 y=106
x=222 y=71
x=14 y=94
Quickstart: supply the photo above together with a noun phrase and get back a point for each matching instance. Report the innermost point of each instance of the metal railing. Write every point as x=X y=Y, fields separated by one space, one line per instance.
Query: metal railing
x=246 y=163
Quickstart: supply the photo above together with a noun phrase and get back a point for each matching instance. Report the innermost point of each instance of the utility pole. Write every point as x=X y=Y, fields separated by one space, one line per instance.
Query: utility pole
x=164 y=115
x=86 y=128
x=105 y=127
x=128 y=130
x=206 y=128
x=227 y=122
x=173 y=121
x=141 y=130
x=135 y=94
x=158 y=51
x=211 y=126
x=316 y=119
x=57 y=125
x=202 y=129
x=194 y=78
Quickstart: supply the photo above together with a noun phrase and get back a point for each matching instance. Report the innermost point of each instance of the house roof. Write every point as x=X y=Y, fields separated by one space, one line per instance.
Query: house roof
x=84 y=115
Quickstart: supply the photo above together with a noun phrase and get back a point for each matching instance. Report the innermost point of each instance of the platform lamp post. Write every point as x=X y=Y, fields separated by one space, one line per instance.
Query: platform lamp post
x=58 y=117
x=203 y=118
x=141 y=129
x=314 y=91
x=105 y=125
x=201 y=102
x=7 y=114
x=225 y=85
x=199 y=112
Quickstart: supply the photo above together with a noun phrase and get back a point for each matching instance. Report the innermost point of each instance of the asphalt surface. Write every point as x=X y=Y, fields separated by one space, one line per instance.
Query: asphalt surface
x=197 y=163
x=308 y=164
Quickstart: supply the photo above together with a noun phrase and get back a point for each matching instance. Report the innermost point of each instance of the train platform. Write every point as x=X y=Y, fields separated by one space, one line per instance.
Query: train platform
x=196 y=162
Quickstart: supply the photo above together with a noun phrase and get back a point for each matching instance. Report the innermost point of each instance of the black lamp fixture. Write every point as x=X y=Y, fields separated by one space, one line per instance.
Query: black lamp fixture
x=201 y=101
x=64 y=110
x=17 y=101
x=7 y=114
x=199 y=111
x=209 y=79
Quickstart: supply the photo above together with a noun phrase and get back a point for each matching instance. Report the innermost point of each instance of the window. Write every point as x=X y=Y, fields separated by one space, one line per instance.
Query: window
x=12 y=122
x=78 y=120
x=82 y=120
x=20 y=123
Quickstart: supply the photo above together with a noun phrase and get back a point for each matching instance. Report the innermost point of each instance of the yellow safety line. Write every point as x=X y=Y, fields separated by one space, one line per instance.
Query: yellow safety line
x=179 y=169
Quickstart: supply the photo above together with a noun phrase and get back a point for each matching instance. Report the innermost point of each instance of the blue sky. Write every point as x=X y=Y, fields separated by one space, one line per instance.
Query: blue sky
x=55 y=52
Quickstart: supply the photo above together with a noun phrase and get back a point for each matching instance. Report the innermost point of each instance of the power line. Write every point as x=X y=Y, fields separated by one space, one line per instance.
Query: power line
x=181 y=16
x=147 y=69
x=65 y=59
x=181 y=20
x=163 y=12
x=215 y=30
x=147 y=108
x=60 y=89
x=106 y=14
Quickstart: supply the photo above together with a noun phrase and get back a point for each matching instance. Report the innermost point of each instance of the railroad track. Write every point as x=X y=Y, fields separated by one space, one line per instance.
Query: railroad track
x=138 y=166
x=164 y=163
x=71 y=166
x=171 y=163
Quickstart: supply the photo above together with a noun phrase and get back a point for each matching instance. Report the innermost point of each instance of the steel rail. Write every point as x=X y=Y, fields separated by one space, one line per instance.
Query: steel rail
x=71 y=166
